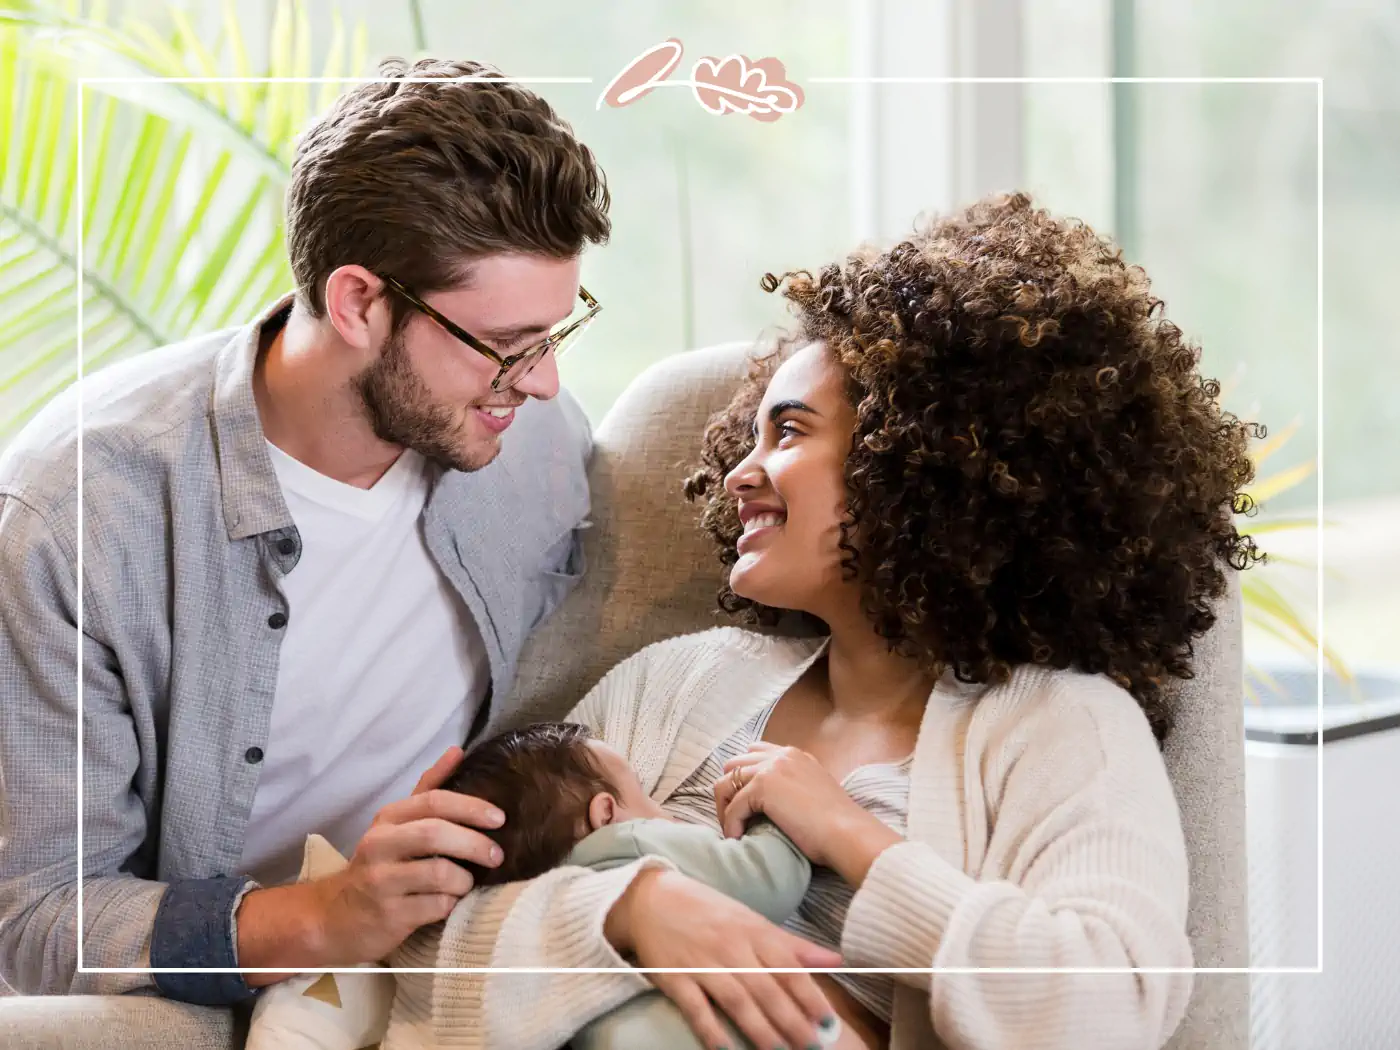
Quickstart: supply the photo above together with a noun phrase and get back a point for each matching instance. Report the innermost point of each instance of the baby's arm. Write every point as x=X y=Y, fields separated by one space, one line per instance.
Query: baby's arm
x=762 y=870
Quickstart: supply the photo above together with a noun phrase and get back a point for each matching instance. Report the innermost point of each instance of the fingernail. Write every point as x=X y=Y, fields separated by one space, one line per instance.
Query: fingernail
x=495 y=818
x=827 y=1023
x=496 y=854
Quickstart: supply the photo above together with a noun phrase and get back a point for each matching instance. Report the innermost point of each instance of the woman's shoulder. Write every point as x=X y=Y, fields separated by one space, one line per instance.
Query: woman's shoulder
x=699 y=674
x=726 y=646
x=1043 y=708
x=694 y=680
x=1045 y=736
x=688 y=668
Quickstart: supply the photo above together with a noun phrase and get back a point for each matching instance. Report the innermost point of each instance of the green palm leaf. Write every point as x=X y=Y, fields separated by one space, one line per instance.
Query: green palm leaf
x=181 y=186
x=1266 y=609
x=1266 y=489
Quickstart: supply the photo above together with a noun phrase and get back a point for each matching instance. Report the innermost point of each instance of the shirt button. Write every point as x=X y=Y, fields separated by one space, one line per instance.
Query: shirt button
x=254 y=755
x=277 y=621
x=287 y=545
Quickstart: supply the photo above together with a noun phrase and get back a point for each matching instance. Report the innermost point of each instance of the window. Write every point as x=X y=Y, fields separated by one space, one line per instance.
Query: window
x=702 y=206
x=1211 y=187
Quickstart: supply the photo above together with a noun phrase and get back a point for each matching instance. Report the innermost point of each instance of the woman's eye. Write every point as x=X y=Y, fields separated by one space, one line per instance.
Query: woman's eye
x=787 y=430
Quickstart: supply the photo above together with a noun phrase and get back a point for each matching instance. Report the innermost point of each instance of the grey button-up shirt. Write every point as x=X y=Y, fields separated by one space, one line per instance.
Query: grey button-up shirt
x=185 y=540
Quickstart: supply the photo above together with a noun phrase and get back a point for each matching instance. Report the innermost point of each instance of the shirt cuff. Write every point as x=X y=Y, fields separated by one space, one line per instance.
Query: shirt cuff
x=195 y=929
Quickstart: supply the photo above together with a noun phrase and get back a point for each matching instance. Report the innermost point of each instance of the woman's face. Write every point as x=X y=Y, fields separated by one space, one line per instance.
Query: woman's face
x=791 y=489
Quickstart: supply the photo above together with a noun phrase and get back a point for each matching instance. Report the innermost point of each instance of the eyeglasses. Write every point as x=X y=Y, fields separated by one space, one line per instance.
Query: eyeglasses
x=515 y=367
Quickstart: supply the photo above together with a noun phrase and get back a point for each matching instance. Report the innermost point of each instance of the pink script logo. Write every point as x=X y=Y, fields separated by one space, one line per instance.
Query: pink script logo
x=735 y=84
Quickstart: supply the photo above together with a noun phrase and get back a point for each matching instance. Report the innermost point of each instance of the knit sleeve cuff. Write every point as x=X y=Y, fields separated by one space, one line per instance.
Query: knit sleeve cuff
x=556 y=921
x=898 y=916
x=577 y=939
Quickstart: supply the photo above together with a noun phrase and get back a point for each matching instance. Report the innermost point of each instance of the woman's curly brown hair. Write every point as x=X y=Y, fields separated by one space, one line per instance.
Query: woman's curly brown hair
x=1038 y=473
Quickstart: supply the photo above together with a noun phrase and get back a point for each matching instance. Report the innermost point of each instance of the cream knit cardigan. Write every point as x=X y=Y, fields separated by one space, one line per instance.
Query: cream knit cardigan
x=1043 y=833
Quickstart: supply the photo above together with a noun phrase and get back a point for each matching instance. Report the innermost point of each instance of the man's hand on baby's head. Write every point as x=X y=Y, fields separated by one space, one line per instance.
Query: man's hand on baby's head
x=556 y=783
x=400 y=877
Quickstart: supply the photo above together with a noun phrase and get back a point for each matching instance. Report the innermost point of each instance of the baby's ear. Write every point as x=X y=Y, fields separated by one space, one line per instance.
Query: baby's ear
x=602 y=810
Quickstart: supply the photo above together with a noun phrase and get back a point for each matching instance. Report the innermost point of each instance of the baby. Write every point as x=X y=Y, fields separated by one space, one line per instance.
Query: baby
x=570 y=799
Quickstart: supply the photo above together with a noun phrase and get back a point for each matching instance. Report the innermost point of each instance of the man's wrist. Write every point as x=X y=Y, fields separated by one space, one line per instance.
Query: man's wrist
x=281 y=927
x=193 y=933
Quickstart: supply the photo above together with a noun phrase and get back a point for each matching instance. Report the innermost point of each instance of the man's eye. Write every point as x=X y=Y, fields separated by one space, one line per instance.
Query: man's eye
x=505 y=347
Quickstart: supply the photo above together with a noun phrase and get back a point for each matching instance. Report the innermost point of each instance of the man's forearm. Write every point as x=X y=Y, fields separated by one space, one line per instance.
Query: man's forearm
x=279 y=927
x=127 y=923
x=194 y=932
x=39 y=948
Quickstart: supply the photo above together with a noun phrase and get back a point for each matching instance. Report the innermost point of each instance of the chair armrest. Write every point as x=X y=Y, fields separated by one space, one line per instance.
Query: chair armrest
x=116 y=1022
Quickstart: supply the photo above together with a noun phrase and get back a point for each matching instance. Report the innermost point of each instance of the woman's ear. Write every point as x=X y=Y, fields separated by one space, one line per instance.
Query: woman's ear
x=602 y=810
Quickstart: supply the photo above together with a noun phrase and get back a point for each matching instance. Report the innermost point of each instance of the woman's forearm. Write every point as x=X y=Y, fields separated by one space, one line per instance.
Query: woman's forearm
x=917 y=910
x=618 y=926
x=861 y=845
x=559 y=922
x=555 y=921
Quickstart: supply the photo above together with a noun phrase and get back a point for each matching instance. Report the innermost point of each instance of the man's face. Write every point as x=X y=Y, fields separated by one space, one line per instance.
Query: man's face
x=431 y=392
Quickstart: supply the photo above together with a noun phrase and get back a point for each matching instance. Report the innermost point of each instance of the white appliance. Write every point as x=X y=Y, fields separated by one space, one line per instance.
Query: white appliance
x=1354 y=1004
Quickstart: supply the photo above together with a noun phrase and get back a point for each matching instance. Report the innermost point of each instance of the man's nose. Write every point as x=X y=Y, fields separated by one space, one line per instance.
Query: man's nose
x=542 y=382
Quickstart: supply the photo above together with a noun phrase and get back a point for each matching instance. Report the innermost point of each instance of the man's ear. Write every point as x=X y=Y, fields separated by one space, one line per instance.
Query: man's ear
x=602 y=810
x=357 y=307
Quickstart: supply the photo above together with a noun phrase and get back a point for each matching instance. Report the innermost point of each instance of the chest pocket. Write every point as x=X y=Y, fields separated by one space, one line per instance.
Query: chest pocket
x=563 y=567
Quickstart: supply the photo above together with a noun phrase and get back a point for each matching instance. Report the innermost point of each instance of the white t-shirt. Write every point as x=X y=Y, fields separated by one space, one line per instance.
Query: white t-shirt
x=381 y=670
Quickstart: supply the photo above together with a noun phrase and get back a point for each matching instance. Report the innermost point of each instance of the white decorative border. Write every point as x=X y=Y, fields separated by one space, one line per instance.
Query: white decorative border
x=83 y=82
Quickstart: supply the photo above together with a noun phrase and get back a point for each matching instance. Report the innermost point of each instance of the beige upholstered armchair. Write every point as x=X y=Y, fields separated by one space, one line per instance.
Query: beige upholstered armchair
x=652 y=575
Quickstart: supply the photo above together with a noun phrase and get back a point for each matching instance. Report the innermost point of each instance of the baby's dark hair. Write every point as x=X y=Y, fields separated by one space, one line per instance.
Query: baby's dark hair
x=542 y=777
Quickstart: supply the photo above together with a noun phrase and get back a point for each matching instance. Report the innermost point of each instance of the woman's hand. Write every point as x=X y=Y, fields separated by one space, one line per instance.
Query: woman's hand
x=795 y=792
x=669 y=921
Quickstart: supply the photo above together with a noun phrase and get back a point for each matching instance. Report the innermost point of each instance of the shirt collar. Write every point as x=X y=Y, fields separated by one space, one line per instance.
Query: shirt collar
x=252 y=497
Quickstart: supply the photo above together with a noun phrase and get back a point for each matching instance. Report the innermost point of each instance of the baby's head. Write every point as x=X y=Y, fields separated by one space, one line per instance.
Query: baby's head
x=556 y=785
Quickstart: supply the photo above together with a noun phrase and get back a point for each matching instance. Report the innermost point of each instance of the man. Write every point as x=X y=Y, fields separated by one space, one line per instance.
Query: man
x=311 y=555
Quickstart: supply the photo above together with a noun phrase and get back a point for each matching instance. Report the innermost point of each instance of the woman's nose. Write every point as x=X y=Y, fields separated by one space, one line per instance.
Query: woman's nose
x=745 y=477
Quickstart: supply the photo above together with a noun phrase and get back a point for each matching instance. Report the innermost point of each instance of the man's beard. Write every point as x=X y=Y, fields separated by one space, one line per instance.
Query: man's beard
x=402 y=412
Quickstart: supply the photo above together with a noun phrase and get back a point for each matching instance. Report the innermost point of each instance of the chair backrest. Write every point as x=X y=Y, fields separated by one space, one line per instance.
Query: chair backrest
x=652 y=574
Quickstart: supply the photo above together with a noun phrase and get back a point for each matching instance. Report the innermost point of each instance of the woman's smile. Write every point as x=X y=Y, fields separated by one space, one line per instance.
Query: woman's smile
x=759 y=521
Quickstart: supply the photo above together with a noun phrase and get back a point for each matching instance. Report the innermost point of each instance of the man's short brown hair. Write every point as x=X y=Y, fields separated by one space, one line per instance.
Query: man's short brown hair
x=542 y=778
x=416 y=180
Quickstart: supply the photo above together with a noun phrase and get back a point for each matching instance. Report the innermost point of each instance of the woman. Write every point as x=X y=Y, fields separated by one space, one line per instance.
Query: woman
x=990 y=472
